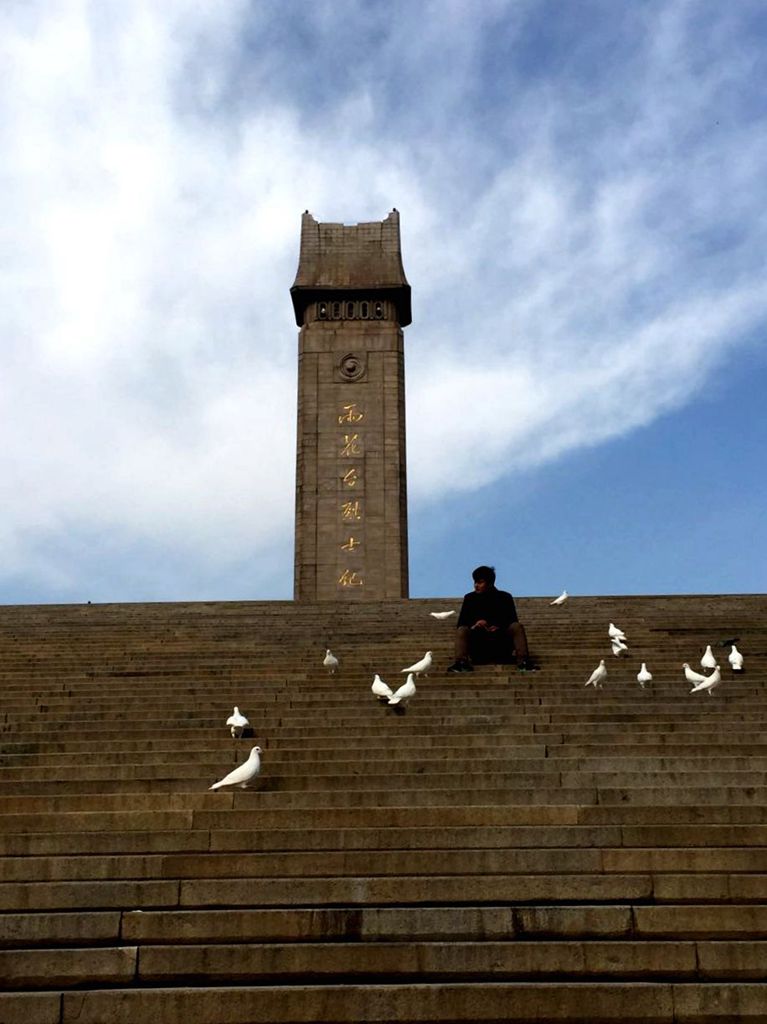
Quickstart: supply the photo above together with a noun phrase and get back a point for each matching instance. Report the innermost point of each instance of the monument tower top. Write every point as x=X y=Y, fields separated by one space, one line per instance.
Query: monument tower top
x=351 y=299
x=363 y=257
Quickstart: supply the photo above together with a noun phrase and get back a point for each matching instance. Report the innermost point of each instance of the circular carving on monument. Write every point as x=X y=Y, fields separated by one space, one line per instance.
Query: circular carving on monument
x=351 y=366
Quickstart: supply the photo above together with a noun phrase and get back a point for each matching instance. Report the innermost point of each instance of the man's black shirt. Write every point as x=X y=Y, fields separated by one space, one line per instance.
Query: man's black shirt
x=496 y=607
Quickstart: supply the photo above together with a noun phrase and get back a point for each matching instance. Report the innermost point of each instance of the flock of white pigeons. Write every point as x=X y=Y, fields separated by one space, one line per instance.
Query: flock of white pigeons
x=244 y=774
x=620 y=648
x=381 y=690
x=701 y=683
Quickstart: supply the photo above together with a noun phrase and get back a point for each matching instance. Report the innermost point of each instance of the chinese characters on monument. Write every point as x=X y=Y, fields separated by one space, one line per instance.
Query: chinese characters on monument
x=351 y=511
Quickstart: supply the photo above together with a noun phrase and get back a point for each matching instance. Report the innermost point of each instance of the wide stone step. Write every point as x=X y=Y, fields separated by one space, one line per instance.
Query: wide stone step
x=404 y=728
x=446 y=837
x=423 y=962
x=355 y=699
x=299 y=963
x=192 y=682
x=404 y=725
x=239 y=818
x=692 y=888
x=515 y=791
x=423 y=775
x=335 y=864
x=517 y=742
x=376 y=924
x=555 y=714
x=477 y=923
x=421 y=862
x=315 y=757
x=361 y=890
x=592 y=1002
x=294 y=764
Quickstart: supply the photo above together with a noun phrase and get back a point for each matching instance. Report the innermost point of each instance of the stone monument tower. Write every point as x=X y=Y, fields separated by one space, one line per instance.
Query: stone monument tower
x=351 y=301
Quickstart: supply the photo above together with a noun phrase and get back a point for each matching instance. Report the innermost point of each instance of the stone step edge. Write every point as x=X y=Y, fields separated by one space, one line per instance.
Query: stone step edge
x=625 y=1002
x=385 y=962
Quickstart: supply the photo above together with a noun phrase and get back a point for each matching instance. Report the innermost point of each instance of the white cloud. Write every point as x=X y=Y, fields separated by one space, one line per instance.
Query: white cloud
x=150 y=233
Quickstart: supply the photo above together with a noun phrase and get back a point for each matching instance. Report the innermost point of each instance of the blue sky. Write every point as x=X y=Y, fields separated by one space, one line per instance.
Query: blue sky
x=582 y=194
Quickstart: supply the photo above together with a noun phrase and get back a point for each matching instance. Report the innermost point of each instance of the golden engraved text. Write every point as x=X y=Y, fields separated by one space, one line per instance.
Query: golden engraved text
x=351 y=510
x=351 y=414
x=350 y=579
x=351 y=445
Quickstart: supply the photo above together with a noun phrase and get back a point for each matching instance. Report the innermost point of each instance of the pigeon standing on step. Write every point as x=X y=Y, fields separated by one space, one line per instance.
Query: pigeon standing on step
x=421 y=667
x=709 y=682
x=441 y=615
x=244 y=774
x=330 y=662
x=644 y=676
x=735 y=659
x=380 y=689
x=561 y=599
x=238 y=723
x=596 y=677
x=691 y=675
x=614 y=633
x=708 y=660
x=404 y=693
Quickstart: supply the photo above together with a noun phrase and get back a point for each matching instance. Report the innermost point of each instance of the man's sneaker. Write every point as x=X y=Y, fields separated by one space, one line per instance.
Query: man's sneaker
x=528 y=666
x=460 y=666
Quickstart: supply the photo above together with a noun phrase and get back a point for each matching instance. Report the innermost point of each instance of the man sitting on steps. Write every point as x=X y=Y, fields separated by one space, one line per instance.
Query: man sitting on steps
x=488 y=629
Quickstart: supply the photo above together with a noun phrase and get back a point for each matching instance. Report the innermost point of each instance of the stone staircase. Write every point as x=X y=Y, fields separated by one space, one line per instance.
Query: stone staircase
x=512 y=848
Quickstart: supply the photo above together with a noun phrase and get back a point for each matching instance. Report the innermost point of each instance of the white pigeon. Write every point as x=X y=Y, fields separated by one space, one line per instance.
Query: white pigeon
x=420 y=667
x=644 y=675
x=709 y=682
x=619 y=648
x=380 y=689
x=735 y=659
x=691 y=675
x=441 y=615
x=614 y=633
x=238 y=723
x=561 y=599
x=404 y=693
x=330 y=662
x=242 y=774
x=596 y=677
x=708 y=660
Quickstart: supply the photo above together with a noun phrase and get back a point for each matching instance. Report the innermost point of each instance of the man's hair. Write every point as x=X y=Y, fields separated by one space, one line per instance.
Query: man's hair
x=484 y=572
